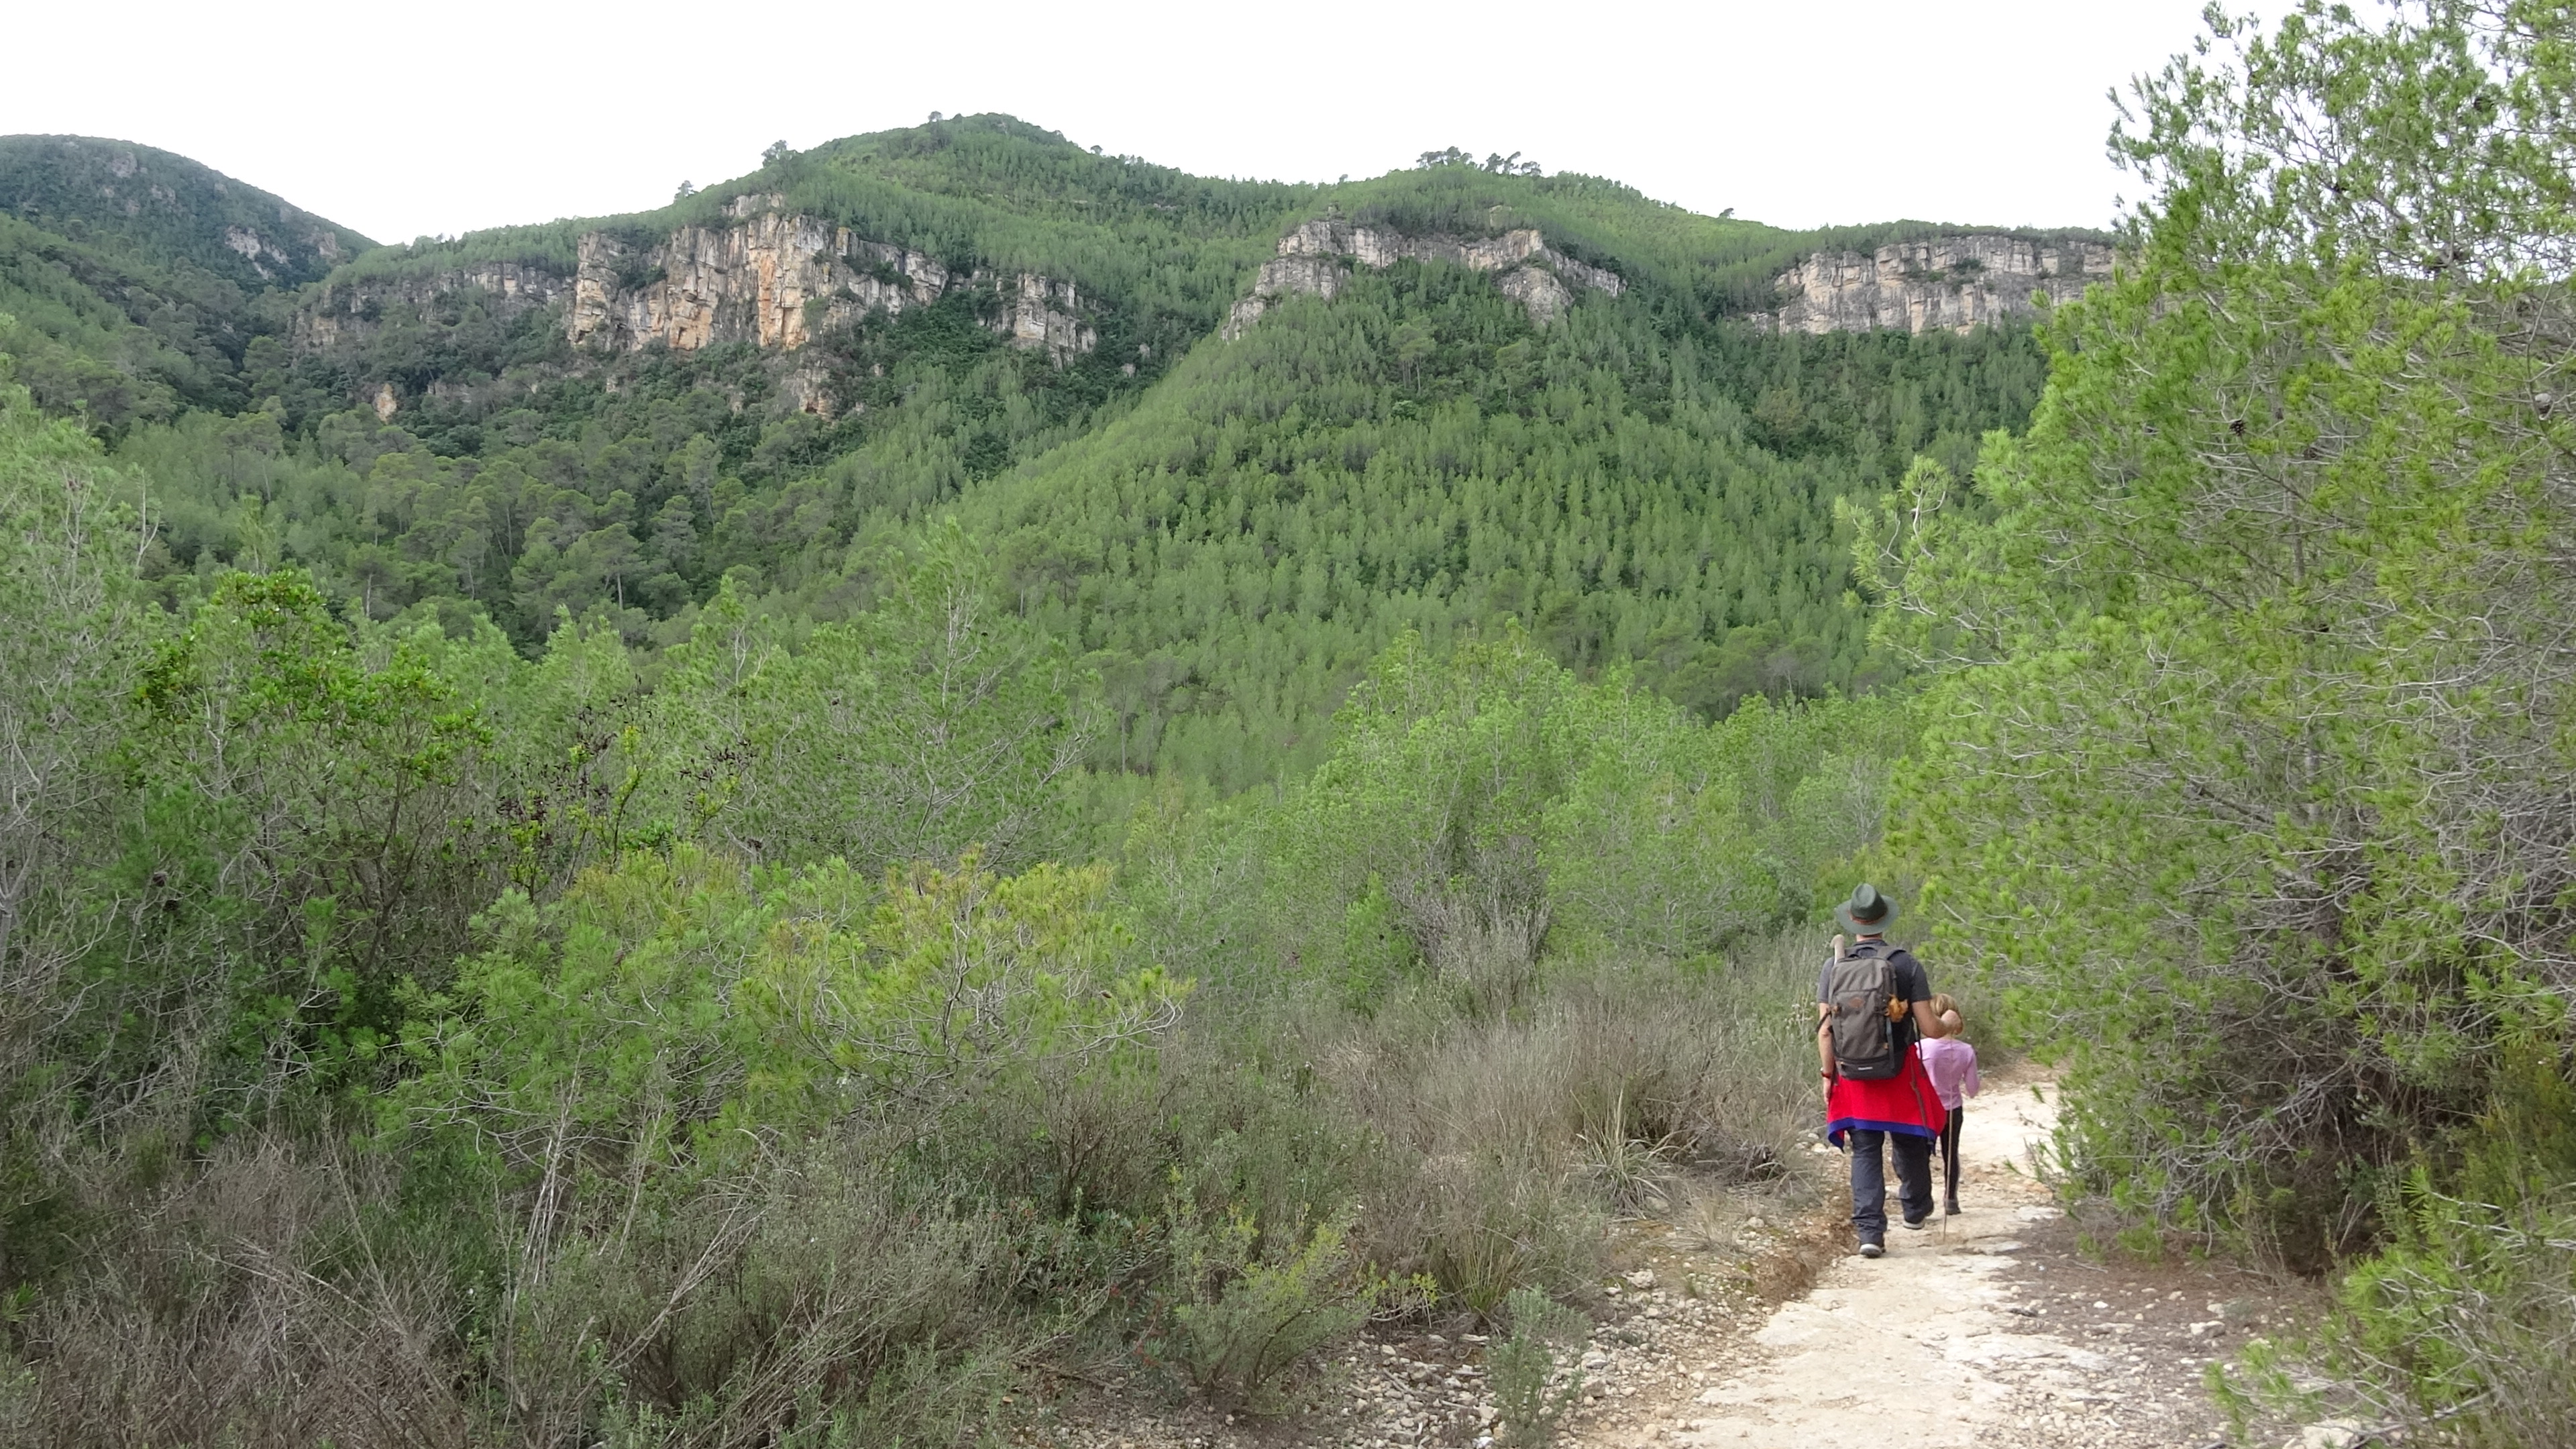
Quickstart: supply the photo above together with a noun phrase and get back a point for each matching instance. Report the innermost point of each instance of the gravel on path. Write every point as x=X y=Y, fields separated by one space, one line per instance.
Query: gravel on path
x=1995 y=1329
x=1990 y=1329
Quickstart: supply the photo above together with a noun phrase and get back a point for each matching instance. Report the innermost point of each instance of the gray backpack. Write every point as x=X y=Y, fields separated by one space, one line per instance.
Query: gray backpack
x=1858 y=1009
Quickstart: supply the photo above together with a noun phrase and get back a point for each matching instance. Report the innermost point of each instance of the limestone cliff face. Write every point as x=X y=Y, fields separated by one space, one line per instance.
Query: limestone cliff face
x=259 y=251
x=764 y=276
x=1311 y=263
x=747 y=282
x=774 y=278
x=1937 y=284
x=347 y=311
x=1030 y=318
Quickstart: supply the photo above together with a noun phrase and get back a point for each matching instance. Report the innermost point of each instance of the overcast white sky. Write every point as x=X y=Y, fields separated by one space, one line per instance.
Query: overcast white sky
x=404 y=120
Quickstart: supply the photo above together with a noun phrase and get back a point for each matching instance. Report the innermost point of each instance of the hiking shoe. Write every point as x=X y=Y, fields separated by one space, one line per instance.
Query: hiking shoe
x=1872 y=1248
x=1914 y=1225
x=1950 y=1207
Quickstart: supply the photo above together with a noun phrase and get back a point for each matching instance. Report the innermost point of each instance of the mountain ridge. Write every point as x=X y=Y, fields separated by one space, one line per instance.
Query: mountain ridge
x=169 y=208
x=1484 y=395
x=136 y=281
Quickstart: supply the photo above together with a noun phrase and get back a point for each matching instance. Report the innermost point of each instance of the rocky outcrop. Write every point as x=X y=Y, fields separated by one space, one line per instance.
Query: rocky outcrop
x=1937 y=284
x=1538 y=291
x=252 y=247
x=774 y=278
x=1279 y=277
x=1316 y=258
x=1030 y=318
x=764 y=276
x=809 y=390
x=753 y=281
x=348 y=311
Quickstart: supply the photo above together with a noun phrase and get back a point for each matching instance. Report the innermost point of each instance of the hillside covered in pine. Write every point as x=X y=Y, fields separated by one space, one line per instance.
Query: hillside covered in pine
x=1227 y=530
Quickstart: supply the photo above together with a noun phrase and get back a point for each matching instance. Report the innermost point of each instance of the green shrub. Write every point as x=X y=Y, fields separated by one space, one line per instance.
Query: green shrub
x=767 y=1107
x=1537 y=1370
x=2469 y=1316
x=1246 y=1323
x=1483 y=1229
x=2213 y=782
x=2459 y=1331
x=1485 y=810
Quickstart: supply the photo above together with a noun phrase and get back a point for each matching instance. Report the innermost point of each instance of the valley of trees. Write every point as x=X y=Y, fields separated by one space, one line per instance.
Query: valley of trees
x=558 y=897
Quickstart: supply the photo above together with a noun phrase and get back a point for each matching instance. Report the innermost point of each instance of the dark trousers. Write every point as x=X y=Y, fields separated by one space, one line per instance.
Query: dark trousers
x=1950 y=1156
x=1869 y=1178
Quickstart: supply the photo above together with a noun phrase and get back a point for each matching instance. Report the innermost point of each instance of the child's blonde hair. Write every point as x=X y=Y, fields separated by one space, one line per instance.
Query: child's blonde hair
x=1942 y=1005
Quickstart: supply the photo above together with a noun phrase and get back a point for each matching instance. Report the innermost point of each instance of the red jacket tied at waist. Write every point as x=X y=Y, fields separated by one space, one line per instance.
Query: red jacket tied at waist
x=1905 y=1103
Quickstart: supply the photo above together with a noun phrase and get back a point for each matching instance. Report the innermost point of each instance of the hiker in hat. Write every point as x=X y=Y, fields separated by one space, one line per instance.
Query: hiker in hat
x=1872 y=1005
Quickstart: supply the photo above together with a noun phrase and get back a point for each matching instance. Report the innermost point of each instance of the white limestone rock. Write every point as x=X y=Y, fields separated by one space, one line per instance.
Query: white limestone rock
x=775 y=278
x=1948 y=284
x=1031 y=319
x=1315 y=259
x=754 y=281
x=1537 y=289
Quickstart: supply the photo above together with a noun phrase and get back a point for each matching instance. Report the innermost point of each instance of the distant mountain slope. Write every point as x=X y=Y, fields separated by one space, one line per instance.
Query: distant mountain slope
x=1229 y=437
x=1427 y=448
x=167 y=211
x=132 y=275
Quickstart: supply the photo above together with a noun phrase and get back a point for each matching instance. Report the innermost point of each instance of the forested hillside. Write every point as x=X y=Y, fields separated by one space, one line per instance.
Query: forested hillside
x=1415 y=456
x=134 y=278
x=1645 y=482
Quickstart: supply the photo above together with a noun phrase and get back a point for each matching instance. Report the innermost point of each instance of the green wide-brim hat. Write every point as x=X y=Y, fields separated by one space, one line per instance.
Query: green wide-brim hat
x=1867 y=913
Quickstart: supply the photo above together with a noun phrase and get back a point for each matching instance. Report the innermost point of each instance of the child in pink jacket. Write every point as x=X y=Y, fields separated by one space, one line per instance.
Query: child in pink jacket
x=1952 y=1066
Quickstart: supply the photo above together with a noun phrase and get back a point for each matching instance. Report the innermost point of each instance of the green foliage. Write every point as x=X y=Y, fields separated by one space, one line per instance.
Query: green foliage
x=2463 y=1317
x=2246 y=775
x=1482 y=807
x=767 y=894
x=167 y=211
x=304 y=810
x=2249 y=869
x=1228 y=530
x=2457 y=1325
x=1280 y=508
x=1536 y=1369
x=1249 y=1322
x=78 y=645
x=133 y=275
x=930 y=725
x=110 y=339
x=770 y=1002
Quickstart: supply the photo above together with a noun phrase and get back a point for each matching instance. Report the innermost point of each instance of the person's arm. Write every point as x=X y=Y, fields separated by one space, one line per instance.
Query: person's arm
x=1972 y=1086
x=1917 y=984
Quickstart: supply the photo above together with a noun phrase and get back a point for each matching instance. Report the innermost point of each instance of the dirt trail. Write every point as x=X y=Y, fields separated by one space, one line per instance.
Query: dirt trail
x=1987 y=1329
x=1912 y=1339
x=1990 y=1329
